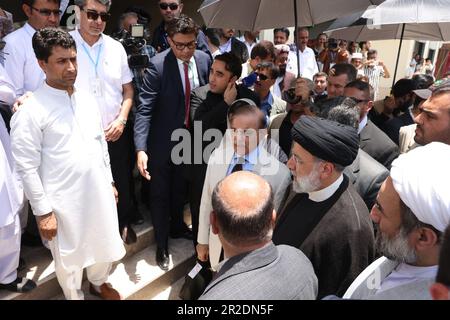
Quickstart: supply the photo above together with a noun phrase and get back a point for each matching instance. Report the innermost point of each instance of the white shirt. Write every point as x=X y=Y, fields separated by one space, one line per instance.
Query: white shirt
x=20 y=61
x=226 y=47
x=308 y=64
x=405 y=273
x=61 y=156
x=112 y=69
x=11 y=193
x=247 y=44
x=192 y=73
x=291 y=65
x=7 y=93
x=326 y=193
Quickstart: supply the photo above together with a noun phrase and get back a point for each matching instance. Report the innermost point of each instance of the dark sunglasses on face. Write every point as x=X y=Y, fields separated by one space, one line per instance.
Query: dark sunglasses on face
x=93 y=15
x=172 y=6
x=47 y=12
x=262 y=77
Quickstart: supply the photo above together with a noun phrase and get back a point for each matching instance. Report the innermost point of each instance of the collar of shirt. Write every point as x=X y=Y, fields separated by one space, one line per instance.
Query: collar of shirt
x=225 y=47
x=192 y=72
x=98 y=43
x=250 y=160
x=362 y=124
x=326 y=193
x=29 y=29
x=405 y=273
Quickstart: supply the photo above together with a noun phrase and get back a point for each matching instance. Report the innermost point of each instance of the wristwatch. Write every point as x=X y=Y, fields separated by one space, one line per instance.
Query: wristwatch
x=122 y=121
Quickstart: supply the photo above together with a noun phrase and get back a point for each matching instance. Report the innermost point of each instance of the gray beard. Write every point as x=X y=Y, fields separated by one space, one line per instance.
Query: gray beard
x=307 y=184
x=396 y=248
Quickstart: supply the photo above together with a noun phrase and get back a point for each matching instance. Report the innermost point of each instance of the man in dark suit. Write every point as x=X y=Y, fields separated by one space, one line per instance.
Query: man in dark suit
x=228 y=43
x=209 y=108
x=169 y=10
x=164 y=108
x=372 y=140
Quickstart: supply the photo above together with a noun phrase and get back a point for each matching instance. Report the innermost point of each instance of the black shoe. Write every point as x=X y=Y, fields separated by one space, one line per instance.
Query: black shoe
x=128 y=235
x=185 y=233
x=31 y=240
x=162 y=258
x=20 y=285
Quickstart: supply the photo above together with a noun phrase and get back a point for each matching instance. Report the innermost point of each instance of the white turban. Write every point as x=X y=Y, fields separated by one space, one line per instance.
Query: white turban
x=422 y=179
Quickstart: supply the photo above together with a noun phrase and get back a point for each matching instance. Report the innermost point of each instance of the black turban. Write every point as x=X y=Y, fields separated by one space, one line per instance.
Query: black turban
x=327 y=140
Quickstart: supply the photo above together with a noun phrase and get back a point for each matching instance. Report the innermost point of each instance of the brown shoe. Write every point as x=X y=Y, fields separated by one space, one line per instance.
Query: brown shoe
x=107 y=292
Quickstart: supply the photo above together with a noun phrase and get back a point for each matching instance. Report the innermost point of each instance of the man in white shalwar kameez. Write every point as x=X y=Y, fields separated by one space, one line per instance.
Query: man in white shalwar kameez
x=62 y=158
x=11 y=201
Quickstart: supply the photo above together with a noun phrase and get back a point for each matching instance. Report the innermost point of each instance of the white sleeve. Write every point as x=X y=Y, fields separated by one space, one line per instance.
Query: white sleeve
x=7 y=92
x=26 y=144
x=14 y=66
x=205 y=209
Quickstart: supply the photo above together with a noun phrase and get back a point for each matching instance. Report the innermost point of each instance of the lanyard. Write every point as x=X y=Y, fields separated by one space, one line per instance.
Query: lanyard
x=95 y=64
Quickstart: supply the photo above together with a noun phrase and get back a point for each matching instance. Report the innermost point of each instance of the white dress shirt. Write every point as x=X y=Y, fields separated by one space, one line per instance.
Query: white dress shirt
x=326 y=193
x=308 y=64
x=112 y=70
x=192 y=73
x=20 y=61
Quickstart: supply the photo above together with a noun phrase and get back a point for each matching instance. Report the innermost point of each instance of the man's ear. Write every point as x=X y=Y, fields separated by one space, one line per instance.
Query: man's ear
x=43 y=65
x=439 y=291
x=424 y=238
x=213 y=222
x=181 y=6
x=369 y=106
x=233 y=79
x=27 y=10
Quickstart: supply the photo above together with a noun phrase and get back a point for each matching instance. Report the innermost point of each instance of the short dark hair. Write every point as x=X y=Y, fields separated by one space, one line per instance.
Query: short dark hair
x=320 y=74
x=274 y=70
x=263 y=49
x=46 y=39
x=403 y=87
x=345 y=68
x=362 y=86
x=345 y=115
x=240 y=107
x=238 y=229
x=443 y=275
x=323 y=107
x=32 y=2
x=232 y=63
x=284 y=30
x=213 y=35
x=183 y=24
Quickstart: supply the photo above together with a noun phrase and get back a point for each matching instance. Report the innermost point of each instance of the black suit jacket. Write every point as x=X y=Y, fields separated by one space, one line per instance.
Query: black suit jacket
x=162 y=103
x=378 y=145
x=392 y=127
x=367 y=175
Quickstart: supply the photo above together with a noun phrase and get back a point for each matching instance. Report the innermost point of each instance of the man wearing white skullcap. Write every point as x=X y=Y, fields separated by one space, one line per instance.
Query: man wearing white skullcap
x=411 y=213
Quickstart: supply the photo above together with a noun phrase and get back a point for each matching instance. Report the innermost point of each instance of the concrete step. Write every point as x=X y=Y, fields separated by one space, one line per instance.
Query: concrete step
x=139 y=278
x=41 y=269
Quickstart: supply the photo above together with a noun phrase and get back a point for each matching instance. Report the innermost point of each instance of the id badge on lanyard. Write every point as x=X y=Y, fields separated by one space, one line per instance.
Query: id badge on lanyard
x=95 y=83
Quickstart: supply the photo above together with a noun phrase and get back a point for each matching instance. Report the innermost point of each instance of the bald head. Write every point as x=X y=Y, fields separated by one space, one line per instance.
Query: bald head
x=243 y=206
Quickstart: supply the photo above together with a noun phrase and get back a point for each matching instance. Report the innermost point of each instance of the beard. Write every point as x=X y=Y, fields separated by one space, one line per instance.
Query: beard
x=396 y=248
x=282 y=69
x=308 y=183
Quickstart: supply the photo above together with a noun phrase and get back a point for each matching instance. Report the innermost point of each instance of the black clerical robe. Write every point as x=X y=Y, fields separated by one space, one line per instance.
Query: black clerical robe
x=335 y=234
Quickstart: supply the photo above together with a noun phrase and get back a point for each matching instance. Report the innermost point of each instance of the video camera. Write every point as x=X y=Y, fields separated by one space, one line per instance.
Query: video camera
x=133 y=43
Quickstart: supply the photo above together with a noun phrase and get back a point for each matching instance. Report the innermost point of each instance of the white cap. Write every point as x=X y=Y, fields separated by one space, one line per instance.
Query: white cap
x=357 y=55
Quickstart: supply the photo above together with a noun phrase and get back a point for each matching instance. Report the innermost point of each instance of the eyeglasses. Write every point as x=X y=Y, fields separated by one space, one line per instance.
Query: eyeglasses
x=180 y=46
x=93 y=15
x=172 y=6
x=47 y=12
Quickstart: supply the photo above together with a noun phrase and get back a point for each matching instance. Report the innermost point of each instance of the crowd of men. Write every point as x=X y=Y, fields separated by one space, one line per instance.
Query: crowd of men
x=299 y=185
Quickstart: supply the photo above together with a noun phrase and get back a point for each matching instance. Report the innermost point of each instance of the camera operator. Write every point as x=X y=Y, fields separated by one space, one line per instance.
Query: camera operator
x=299 y=103
x=138 y=50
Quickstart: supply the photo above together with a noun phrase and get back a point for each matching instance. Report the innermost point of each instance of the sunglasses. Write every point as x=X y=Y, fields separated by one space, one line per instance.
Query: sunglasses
x=262 y=77
x=172 y=6
x=47 y=12
x=180 y=46
x=93 y=15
